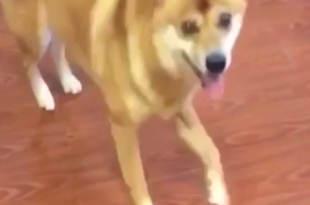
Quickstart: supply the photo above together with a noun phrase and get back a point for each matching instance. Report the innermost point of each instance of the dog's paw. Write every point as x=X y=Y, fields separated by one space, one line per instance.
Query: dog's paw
x=217 y=190
x=70 y=84
x=218 y=194
x=44 y=97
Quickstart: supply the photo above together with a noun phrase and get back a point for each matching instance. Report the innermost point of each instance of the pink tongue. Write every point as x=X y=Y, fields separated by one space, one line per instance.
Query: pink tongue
x=215 y=88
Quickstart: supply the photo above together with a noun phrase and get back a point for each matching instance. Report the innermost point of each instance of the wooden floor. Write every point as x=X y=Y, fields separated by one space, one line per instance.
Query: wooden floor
x=261 y=127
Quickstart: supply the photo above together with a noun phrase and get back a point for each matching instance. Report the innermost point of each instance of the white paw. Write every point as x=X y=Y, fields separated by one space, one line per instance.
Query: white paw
x=44 y=97
x=217 y=192
x=70 y=83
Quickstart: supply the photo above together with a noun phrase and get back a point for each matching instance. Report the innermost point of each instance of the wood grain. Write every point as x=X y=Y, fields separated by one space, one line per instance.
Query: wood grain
x=261 y=127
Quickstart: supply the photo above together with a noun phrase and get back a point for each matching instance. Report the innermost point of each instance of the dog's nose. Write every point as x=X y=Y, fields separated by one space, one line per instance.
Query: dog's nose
x=216 y=62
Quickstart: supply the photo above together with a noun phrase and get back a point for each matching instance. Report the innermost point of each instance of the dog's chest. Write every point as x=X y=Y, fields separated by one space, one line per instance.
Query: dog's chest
x=172 y=92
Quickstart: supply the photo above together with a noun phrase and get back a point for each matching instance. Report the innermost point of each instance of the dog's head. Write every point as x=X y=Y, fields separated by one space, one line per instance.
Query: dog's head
x=199 y=34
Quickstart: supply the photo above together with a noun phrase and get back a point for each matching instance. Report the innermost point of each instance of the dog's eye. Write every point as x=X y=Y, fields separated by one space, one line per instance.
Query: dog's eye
x=189 y=27
x=225 y=20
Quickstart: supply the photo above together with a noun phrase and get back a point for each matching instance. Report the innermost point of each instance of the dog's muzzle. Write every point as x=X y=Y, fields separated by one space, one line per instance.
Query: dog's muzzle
x=212 y=74
x=195 y=69
x=212 y=79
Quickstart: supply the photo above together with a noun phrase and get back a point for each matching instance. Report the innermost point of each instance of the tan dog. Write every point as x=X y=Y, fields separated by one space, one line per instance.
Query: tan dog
x=145 y=56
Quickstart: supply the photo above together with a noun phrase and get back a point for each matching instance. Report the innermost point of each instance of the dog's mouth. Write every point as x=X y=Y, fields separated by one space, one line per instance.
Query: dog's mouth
x=214 y=83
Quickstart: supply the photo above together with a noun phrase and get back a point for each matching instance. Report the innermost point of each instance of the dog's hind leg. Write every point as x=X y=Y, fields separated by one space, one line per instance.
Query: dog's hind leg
x=41 y=91
x=193 y=133
x=69 y=82
x=127 y=148
x=27 y=21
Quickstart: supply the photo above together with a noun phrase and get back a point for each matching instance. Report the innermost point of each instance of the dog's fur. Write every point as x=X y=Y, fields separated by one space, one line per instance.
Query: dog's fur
x=131 y=49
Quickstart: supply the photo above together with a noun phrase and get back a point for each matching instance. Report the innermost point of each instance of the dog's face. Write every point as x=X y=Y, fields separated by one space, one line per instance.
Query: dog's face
x=199 y=34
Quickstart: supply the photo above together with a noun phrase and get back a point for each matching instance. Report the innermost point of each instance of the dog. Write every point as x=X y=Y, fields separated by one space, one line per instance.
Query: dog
x=146 y=57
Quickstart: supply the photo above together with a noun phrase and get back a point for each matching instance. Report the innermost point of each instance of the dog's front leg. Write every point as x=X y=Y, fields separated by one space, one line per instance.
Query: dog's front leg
x=127 y=148
x=193 y=133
